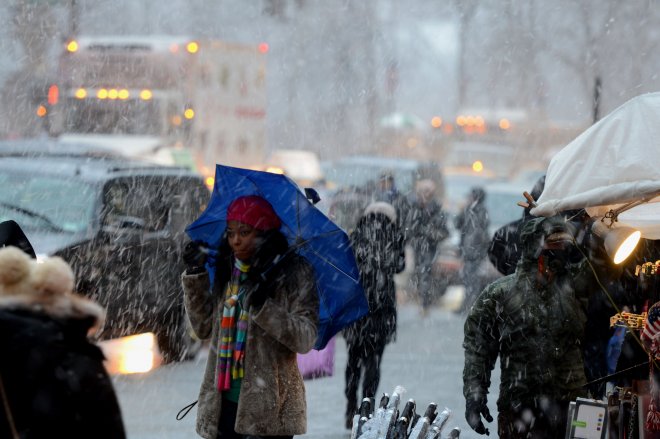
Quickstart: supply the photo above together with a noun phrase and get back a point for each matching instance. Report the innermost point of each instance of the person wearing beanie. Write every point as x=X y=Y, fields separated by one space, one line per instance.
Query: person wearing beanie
x=52 y=379
x=259 y=312
x=377 y=243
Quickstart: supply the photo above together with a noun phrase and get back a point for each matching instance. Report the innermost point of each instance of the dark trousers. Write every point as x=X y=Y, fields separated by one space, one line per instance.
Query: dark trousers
x=228 y=419
x=422 y=278
x=362 y=358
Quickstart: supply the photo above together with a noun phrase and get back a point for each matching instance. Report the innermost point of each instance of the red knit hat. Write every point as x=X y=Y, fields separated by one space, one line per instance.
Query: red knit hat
x=254 y=211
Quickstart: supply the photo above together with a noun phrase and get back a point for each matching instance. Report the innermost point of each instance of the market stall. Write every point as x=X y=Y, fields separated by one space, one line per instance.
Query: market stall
x=612 y=171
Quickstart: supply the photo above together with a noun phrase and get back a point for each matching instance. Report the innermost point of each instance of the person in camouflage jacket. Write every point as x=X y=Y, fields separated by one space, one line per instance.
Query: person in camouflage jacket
x=534 y=321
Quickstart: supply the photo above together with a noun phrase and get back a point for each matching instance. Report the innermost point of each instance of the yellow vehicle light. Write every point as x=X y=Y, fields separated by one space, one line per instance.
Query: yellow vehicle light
x=113 y=93
x=189 y=113
x=477 y=166
x=41 y=111
x=505 y=124
x=102 y=93
x=123 y=94
x=72 y=46
x=132 y=354
x=146 y=94
x=436 y=122
x=192 y=47
x=81 y=93
x=210 y=181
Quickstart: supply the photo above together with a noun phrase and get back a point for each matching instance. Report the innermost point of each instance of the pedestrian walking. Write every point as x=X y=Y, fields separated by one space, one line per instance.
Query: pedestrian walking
x=260 y=311
x=52 y=379
x=534 y=320
x=472 y=223
x=427 y=228
x=378 y=247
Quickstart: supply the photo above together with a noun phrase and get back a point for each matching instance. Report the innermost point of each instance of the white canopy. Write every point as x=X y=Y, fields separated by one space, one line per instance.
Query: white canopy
x=614 y=162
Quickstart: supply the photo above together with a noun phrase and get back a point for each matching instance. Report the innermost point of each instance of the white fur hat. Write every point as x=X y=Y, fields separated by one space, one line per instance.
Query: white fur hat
x=19 y=274
x=46 y=286
x=382 y=207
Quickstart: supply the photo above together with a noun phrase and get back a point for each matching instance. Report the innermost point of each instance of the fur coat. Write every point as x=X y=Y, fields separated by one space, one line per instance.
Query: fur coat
x=272 y=399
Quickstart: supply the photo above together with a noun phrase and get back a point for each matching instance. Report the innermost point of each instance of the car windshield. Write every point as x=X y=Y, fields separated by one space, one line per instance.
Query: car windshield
x=46 y=202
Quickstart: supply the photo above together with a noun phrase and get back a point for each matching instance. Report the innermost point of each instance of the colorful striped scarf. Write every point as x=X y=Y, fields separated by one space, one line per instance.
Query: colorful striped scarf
x=233 y=333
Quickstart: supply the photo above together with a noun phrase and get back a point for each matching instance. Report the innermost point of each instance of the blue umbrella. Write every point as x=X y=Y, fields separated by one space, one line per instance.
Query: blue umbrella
x=309 y=232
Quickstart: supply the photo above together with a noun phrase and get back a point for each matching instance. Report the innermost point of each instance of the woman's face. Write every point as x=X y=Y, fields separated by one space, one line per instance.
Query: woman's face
x=242 y=239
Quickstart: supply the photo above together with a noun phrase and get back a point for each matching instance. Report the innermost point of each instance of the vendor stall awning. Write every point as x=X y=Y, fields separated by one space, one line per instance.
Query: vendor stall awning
x=614 y=162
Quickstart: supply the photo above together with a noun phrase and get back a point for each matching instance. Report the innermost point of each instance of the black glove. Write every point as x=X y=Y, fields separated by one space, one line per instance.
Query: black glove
x=254 y=298
x=194 y=256
x=474 y=410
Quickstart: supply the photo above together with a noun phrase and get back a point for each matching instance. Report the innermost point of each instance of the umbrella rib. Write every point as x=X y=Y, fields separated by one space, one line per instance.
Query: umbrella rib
x=332 y=265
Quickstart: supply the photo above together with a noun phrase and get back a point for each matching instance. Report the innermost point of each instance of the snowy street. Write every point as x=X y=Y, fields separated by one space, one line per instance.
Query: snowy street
x=427 y=359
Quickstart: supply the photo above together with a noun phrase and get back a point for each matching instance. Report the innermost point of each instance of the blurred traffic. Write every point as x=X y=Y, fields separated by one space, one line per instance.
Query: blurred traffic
x=126 y=160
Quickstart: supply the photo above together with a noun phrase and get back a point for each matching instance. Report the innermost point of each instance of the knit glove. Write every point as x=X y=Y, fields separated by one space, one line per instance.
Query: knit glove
x=194 y=256
x=474 y=410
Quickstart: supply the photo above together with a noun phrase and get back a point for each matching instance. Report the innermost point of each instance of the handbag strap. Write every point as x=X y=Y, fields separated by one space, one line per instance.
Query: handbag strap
x=5 y=404
x=184 y=411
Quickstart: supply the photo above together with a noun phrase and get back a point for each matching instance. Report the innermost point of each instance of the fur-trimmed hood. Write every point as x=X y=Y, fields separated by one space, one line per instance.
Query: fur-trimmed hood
x=45 y=287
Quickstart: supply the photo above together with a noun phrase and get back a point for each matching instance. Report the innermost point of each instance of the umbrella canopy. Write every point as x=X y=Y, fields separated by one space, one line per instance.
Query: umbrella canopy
x=614 y=162
x=308 y=230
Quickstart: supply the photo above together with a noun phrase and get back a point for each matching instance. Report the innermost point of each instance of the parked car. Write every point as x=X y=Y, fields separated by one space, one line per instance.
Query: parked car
x=119 y=223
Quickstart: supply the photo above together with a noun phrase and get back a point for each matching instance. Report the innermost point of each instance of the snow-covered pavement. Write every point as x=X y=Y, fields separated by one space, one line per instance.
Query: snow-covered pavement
x=426 y=359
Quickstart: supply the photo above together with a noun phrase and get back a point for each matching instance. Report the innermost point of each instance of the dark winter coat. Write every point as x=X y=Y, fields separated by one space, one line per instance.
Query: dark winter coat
x=272 y=396
x=536 y=329
x=378 y=247
x=472 y=223
x=53 y=376
x=427 y=227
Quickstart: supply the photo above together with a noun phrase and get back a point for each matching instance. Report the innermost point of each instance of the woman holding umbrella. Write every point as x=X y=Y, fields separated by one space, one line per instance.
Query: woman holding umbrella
x=261 y=310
